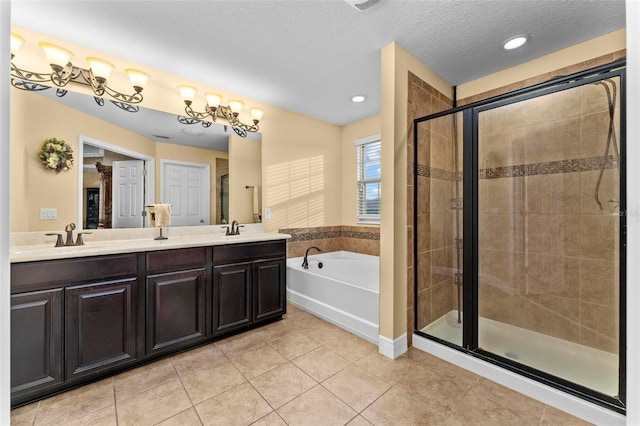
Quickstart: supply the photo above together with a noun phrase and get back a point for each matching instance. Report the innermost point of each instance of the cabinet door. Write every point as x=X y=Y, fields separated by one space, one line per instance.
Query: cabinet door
x=231 y=296
x=270 y=288
x=100 y=326
x=175 y=309
x=36 y=343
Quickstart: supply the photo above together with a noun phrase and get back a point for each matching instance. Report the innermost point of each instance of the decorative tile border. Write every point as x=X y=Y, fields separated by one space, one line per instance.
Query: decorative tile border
x=520 y=170
x=321 y=233
x=551 y=167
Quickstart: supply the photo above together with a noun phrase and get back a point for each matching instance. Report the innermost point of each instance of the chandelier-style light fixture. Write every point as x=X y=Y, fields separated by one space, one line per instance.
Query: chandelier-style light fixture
x=64 y=72
x=213 y=110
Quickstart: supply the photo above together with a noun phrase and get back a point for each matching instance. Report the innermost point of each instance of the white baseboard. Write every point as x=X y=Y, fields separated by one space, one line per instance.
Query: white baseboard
x=563 y=401
x=392 y=348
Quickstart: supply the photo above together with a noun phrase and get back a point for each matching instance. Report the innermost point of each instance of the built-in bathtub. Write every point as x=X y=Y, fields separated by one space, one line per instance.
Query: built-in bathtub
x=340 y=287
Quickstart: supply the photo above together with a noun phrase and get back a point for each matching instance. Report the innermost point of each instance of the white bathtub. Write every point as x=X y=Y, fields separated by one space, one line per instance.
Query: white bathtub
x=344 y=291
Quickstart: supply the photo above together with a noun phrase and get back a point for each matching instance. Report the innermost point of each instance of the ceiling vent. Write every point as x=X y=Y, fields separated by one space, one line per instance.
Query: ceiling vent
x=361 y=4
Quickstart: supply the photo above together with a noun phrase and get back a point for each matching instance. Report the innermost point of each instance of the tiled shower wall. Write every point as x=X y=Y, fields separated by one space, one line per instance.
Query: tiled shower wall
x=357 y=239
x=548 y=254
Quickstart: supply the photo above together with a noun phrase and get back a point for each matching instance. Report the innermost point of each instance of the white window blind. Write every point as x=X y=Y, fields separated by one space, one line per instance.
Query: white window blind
x=369 y=179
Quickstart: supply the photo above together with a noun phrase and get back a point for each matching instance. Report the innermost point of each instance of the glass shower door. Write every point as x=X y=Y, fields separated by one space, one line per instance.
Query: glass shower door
x=438 y=259
x=548 y=233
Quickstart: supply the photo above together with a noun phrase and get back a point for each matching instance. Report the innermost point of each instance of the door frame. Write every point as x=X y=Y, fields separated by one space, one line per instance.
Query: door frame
x=207 y=180
x=149 y=164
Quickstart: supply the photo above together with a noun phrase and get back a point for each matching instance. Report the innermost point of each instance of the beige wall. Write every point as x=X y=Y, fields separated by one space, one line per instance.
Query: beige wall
x=350 y=133
x=396 y=64
x=245 y=169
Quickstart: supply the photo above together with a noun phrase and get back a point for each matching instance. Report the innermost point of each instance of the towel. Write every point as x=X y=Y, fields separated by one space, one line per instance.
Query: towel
x=163 y=214
x=256 y=208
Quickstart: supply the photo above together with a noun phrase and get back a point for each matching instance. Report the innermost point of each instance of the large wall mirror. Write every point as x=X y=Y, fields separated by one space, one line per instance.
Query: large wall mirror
x=125 y=159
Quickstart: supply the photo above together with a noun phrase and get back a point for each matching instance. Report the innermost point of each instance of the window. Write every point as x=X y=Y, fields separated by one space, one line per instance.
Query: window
x=369 y=179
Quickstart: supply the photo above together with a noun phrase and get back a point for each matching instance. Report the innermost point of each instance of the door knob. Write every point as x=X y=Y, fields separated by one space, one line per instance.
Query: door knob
x=201 y=220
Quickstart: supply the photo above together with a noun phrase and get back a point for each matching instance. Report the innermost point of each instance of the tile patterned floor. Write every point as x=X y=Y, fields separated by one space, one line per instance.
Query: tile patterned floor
x=298 y=371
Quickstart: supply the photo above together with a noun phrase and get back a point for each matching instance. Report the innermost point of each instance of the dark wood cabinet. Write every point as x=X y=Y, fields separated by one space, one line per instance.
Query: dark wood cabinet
x=269 y=289
x=100 y=326
x=36 y=342
x=232 y=285
x=80 y=319
x=176 y=311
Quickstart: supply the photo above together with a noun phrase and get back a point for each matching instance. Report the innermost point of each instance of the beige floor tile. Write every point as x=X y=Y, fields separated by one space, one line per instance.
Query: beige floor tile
x=65 y=407
x=282 y=384
x=133 y=382
x=397 y=407
x=321 y=363
x=186 y=418
x=196 y=359
x=154 y=405
x=102 y=417
x=488 y=403
x=553 y=416
x=209 y=382
x=25 y=415
x=294 y=344
x=235 y=345
x=352 y=347
x=257 y=361
x=241 y=405
x=276 y=329
x=324 y=332
x=389 y=370
x=359 y=421
x=316 y=407
x=272 y=419
x=441 y=395
x=356 y=387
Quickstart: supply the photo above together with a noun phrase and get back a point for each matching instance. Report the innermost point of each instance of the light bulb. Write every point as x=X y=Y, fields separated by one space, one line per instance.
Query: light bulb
x=256 y=114
x=16 y=42
x=188 y=93
x=138 y=78
x=213 y=99
x=57 y=56
x=236 y=106
x=100 y=68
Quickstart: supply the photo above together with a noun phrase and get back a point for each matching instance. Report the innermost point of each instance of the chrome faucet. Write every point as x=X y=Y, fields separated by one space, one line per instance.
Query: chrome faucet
x=305 y=262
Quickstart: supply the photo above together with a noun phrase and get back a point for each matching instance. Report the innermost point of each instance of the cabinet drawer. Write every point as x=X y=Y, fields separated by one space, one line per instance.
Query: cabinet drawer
x=171 y=260
x=52 y=273
x=232 y=253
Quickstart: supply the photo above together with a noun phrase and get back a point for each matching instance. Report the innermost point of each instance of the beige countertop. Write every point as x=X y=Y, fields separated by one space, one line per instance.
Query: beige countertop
x=33 y=246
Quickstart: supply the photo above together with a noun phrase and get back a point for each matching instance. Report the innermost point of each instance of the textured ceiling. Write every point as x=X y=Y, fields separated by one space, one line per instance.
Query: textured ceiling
x=310 y=56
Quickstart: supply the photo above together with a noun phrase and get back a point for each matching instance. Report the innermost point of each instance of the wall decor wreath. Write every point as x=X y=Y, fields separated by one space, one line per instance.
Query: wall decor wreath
x=56 y=155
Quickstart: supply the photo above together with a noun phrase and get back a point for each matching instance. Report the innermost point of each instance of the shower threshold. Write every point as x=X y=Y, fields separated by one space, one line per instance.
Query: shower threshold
x=586 y=366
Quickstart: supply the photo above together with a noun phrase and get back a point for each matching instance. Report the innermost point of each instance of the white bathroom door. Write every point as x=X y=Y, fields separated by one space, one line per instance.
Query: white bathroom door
x=128 y=195
x=186 y=187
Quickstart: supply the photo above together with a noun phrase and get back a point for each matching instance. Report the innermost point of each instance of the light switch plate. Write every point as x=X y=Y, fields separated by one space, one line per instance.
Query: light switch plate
x=48 y=214
x=267 y=213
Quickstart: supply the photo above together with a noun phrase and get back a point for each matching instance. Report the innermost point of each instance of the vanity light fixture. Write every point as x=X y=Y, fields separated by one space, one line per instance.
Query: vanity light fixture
x=515 y=42
x=64 y=72
x=213 y=110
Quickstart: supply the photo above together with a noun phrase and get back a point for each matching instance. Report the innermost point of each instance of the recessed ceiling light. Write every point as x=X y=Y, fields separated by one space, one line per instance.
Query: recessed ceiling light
x=515 y=42
x=358 y=98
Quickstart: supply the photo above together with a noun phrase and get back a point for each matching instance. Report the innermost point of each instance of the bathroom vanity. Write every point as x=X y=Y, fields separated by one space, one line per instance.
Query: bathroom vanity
x=99 y=311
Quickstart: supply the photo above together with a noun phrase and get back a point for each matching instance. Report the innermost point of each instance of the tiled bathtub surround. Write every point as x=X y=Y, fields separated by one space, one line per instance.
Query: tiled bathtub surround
x=357 y=239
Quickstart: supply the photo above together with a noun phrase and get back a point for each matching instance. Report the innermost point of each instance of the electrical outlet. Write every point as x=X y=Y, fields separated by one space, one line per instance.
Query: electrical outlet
x=48 y=214
x=267 y=213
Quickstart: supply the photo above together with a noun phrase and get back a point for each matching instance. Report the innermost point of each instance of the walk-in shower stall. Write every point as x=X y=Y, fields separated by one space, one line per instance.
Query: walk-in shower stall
x=519 y=241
